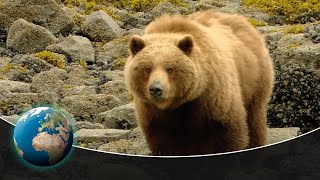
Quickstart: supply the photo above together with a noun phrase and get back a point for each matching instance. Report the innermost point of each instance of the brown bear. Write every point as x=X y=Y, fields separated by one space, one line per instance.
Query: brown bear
x=201 y=83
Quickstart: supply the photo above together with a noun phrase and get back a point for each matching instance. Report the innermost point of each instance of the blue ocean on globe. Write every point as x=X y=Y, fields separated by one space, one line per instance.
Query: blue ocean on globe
x=43 y=136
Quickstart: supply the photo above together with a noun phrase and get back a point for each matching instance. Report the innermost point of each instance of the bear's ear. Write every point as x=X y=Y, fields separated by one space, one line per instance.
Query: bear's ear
x=186 y=44
x=136 y=44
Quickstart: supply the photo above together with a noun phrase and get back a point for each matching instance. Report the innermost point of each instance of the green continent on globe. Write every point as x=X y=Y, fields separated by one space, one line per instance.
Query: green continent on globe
x=53 y=144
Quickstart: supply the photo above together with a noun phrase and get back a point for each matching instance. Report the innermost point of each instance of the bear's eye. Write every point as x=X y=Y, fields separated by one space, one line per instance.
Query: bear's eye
x=170 y=70
x=148 y=70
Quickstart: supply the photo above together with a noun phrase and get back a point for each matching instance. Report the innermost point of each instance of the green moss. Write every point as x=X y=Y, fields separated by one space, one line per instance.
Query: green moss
x=83 y=63
x=272 y=31
x=289 y=8
x=134 y=5
x=51 y=58
x=67 y=86
x=295 y=29
x=118 y=63
x=256 y=23
x=99 y=44
x=131 y=98
x=144 y=5
x=6 y=68
x=78 y=19
x=293 y=45
x=93 y=7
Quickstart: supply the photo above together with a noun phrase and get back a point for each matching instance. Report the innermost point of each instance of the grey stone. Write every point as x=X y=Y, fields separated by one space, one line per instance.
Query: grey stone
x=136 y=31
x=122 y=117
x=113 y=51
x=116 y=88
x=13 y=119
x=48 y=81
x=46 y=13
x=82 y=105
x=280 y=134
x=26 y=37
x=167 y=8
x=88 y=125
x=69 y=90
x=78 y=76
x=75 y=47
x=7 y=86
x=104 y=135
x=99 y=26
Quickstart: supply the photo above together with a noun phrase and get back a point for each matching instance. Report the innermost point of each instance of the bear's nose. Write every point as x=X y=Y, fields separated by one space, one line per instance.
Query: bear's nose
x=156 y=89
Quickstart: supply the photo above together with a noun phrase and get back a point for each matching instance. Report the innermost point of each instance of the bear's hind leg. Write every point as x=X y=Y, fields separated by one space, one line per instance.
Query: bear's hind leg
x=257 y=114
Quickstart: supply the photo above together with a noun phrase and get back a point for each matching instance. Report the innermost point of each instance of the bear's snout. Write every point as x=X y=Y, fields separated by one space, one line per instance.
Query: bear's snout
x=156 y=89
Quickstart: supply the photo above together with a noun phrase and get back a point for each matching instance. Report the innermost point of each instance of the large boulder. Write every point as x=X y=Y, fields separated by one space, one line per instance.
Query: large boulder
x=116 y=88
x=99 y=26
x=50 y=81
x=122 y=117
x=75 y=48
x=46 y=13
x=101 y=135
x=114 y=53
x=27 y=37
x=89 y=105
x=7 y=86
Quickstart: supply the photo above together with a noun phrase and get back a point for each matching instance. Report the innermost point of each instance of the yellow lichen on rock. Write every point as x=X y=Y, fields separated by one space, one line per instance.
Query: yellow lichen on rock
x=256 y=23
x=295 y=29
x=290 y=8
x=51 y=58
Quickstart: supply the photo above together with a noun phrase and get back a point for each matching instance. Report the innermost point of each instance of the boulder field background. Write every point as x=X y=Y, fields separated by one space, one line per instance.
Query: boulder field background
x=71 y=53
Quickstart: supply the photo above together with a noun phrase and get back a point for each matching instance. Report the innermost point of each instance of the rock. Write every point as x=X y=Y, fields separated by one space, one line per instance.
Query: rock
x=26 y=37
x=232 y=8
x=75 y=48
x=129 y=20
x=114 y=53
x=280 y=134
x=167 y=8
x=69 y=90
x=3 y=36
x=122 y=117
x=295 y=98
x=208 y=4
x=13 y=119
x=88 y=125
x=294 y=47
x=131 y=146
x=7 y=86
x=48 y=81
x=46 y=13
x=114 y=75
x=86 y=105
x=116 y=88
x=14 y=103
x=4 y=61
x=78 y=76
x=99 y=26
x=32 y=63
x=136 y=31
x=101 y=135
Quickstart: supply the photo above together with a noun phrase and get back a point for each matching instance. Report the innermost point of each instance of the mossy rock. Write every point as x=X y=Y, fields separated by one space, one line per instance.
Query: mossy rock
x=292 y=10
x=55 y=59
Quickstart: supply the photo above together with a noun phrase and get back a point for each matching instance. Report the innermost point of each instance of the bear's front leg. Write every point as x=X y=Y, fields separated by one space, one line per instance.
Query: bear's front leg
x=230 y=133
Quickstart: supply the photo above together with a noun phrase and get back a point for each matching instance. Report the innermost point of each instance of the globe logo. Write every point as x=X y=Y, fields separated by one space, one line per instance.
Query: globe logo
x=43 y=136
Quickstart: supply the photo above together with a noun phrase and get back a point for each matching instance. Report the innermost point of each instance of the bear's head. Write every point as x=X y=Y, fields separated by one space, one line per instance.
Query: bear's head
x=161 y=69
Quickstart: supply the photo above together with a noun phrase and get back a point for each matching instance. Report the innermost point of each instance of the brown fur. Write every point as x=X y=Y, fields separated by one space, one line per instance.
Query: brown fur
x=217 y=79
